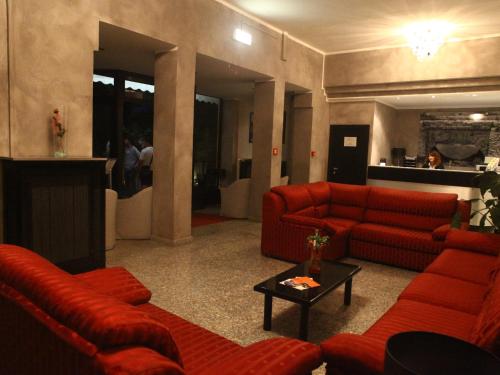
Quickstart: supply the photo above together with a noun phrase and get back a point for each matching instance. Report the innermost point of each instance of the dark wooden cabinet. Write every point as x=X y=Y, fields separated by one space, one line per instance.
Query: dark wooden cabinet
x=56 y=208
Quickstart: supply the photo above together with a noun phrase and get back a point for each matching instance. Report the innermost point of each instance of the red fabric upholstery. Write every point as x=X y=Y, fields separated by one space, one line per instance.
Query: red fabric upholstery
x=320 y=193
x=273 y=356
x=136 y=360
x=486 y=332
x=405 y=258
x=116 y=282
x=354 y=354
x=447 y=292
x=473 y=241
x=464 y=265
x=200 y=348
x=102 y=320
x=303 y=220
x=405 y=220
x=338 y=222
x=396 y=237
x=296 y=197
x=308 y=211
x=348 y=201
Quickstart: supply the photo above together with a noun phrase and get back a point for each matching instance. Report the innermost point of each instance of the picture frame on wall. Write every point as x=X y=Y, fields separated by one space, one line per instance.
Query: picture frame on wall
x=250 y=127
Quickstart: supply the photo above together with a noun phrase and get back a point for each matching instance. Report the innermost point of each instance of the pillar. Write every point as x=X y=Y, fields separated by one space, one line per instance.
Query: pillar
x=173 y=145
x=267 y=135
x=229 y=139
x=301 y=138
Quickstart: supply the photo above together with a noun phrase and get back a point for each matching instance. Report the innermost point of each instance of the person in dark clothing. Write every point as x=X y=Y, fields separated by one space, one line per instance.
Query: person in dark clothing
x=434 y=161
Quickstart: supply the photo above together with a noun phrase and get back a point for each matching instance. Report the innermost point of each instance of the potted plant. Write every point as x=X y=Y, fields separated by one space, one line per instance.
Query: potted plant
x=489 y=186
x=315 y=243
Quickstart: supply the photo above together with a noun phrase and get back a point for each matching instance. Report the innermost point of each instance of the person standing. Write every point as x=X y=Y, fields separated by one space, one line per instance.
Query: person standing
x=130 y=159
x=145 y=164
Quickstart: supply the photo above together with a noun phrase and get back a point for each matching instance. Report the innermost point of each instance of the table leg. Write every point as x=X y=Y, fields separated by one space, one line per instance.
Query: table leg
x=304 y=322
x=268 y=311
x=347 y=292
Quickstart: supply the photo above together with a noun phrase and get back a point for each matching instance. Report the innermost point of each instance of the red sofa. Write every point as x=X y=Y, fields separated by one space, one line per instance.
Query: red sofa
x=398 y=227
x=101 y=322
x=457 y=295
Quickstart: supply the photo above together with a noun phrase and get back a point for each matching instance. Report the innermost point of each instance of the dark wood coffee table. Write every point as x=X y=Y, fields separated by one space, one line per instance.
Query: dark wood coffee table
x=333 y=275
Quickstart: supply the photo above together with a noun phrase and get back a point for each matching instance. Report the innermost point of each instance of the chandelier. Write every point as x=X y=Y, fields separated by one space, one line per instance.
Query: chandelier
x=425 y=38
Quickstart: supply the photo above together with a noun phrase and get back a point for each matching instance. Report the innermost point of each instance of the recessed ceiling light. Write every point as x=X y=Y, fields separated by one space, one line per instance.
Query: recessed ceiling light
x=474 y=94
x=433 y=96
x=476 y=116
x=242 y=36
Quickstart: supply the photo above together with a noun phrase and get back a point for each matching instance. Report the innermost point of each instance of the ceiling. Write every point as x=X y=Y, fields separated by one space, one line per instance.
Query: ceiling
x=335 y=26
x=224 y=80
x=122 y=49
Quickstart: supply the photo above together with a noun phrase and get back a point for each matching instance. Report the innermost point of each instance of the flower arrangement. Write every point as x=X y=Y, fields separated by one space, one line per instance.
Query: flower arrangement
x=317 y=240
x=315 y=244
x=58 y=130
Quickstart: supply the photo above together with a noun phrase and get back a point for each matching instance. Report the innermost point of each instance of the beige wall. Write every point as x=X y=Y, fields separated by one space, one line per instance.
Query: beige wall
x=407 y=130
x=469 y=59
x=52 y=57
x=4 y=91
x=383 y=134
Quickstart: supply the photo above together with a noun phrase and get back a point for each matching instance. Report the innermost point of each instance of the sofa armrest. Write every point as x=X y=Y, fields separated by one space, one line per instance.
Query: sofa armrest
x=303 y=220
x=440 y=233
x=486 y=243
x=136 y=361
x=348 y=353
x=116 y=282
x=278 y=356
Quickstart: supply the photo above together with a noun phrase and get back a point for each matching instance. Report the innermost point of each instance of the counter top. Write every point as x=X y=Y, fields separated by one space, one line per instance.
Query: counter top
x=450 y=177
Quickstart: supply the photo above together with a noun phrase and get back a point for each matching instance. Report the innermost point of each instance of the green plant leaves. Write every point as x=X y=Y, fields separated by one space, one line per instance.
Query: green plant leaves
x=490 y=215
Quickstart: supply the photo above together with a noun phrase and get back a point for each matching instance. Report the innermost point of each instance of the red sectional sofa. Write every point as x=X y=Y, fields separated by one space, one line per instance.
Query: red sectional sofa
x=398 y=227
x=102 y=322
x=458 y=295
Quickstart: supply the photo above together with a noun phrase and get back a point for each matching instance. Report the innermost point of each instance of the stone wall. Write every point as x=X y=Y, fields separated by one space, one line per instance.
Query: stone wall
x=458 y=138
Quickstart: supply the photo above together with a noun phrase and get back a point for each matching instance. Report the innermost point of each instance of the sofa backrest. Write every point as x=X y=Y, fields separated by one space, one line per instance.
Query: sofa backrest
x=410 y=209
x=297 y=199
x=101 y=320
x=320 y=195
x=348 y=201
x=486 y=332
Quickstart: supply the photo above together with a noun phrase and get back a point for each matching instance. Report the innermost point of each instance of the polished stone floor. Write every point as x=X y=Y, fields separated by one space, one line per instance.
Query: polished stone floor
x=210 y=282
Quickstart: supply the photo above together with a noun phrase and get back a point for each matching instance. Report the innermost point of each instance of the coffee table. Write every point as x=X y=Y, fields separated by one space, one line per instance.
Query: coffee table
x=332 y=275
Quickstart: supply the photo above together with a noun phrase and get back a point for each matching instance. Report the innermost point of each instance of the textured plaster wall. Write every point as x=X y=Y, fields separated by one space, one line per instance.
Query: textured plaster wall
x=468 y=59
x=383 y=133
x=4 y=93
x=407 y=130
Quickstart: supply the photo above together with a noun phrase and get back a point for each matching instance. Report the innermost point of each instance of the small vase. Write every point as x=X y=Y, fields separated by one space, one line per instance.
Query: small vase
x=316 y=253
x=59 y=149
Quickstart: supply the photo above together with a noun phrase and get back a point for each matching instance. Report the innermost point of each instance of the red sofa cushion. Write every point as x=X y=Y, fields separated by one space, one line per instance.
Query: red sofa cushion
x=446 y=291
x=464 y=265
x=116 y=282
x=102 y=320
x=348 y=201
x=410 y=209
x=339 y=222
x=486 y=243
x=200 y=348
x=486 y=332
x=396 y=237
x=320 y=194
x=296 y=197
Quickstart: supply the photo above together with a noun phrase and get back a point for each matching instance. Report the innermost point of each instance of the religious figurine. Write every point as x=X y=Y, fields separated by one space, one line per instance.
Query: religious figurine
x=58 y=132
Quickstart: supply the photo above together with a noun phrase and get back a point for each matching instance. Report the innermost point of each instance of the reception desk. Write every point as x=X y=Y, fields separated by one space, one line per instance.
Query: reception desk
x=429 y=180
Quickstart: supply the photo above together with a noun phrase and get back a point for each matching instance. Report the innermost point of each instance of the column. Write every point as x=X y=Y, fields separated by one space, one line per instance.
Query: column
x=267 y=135
x=301 y=144
x=173 y=145
x=229 y=139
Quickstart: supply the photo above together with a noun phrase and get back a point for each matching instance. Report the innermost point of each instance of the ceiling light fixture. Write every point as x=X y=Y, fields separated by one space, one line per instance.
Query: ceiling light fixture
x=476 y=116
x=242 y=36
x=425 y=38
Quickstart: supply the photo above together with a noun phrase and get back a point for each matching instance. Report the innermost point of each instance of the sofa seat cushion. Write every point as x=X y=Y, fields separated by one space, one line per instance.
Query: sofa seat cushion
x=364 y=354
x=200 y=348
x=446 y=291
x=338 y=223
x=464 y=265
x=396 y=237
x=116 y=282
x=104 y=321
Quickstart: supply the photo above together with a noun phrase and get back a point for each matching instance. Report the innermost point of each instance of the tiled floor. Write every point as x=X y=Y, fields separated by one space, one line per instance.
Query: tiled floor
x=210 y=282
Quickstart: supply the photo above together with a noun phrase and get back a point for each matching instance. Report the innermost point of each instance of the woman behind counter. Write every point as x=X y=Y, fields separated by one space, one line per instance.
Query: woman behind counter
x=434 y=161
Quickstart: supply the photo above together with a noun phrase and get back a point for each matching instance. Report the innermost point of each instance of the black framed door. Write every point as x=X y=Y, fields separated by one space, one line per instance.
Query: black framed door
x=348 y=154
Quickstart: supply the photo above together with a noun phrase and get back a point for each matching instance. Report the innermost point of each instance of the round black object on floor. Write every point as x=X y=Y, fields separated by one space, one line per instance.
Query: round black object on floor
x=428 y=353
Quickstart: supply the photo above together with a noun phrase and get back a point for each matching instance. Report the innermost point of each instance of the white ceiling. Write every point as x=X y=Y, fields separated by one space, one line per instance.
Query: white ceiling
x=334 y=26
